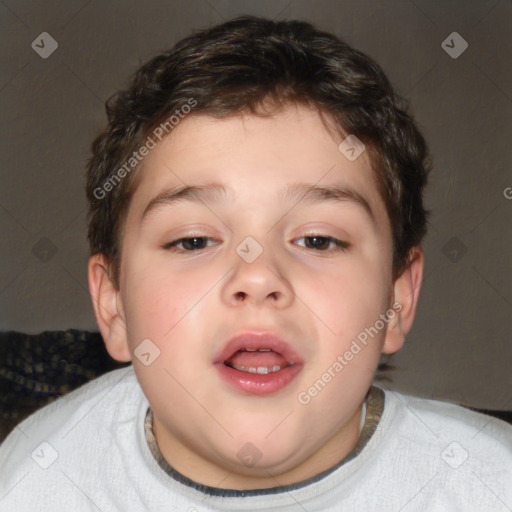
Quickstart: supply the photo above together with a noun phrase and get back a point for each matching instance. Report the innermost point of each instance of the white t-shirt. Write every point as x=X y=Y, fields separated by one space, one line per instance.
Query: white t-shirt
x=89 y=451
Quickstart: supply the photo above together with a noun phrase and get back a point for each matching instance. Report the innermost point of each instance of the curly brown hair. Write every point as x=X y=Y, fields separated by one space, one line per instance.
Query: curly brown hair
x=243 y=65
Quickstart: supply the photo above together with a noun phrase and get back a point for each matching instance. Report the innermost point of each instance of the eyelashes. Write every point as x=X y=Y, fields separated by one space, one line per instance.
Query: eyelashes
x=173 y=246
x=316 y=243
x=339 y=245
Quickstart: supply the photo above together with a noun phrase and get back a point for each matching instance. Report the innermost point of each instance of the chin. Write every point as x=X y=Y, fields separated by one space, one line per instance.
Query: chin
x=260 y=456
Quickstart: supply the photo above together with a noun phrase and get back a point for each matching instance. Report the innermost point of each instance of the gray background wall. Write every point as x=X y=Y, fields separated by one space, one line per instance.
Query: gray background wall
x=460 y=346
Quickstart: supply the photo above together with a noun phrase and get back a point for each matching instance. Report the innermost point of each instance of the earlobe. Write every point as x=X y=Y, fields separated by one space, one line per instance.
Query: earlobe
x=406 y=291
x=108 y=309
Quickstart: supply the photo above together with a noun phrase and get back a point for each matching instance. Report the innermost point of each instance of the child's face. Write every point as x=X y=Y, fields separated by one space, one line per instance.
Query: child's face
x=315 y=296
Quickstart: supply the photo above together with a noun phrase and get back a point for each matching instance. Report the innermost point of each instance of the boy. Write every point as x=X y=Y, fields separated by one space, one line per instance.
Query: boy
x=255 y=225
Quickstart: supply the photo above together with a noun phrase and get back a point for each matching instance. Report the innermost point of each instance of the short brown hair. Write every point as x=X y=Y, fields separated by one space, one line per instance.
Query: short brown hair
x=237 y=67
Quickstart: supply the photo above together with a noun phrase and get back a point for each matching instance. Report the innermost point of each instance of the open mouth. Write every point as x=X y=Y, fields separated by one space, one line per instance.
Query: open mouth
x=262 y=361
x=258 y=363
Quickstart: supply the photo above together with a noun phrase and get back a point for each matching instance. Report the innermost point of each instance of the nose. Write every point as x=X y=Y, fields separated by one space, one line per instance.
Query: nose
x=259 y=283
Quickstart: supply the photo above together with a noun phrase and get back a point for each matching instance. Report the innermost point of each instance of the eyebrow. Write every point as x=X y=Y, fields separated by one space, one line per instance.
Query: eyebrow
x=315 y=194
x=209 y=193
x=298 y=192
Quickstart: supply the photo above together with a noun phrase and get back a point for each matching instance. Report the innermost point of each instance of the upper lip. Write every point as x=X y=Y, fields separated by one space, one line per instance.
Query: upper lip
x=255 y=340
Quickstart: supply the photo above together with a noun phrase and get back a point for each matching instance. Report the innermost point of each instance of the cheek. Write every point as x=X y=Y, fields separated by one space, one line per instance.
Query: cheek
x=346 y=298
x=155 y=305
x=168 y=308
x=346 y=306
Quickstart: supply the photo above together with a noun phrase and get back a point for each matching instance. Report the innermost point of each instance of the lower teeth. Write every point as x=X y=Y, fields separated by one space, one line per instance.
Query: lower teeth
x=261 y=369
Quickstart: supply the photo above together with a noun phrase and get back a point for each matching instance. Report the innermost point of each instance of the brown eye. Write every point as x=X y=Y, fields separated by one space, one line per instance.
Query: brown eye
x=188 y=244
x=317 y=242
x=322 y=243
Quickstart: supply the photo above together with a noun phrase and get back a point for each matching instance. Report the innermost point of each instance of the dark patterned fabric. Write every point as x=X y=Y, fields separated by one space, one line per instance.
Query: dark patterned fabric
x=37 y=369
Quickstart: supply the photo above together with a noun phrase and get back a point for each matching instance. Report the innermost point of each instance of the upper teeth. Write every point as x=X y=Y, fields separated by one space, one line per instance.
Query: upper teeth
x=256 y=350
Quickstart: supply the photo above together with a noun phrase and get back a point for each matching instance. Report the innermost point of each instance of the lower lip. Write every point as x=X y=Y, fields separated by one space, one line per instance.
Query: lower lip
x=256 y=383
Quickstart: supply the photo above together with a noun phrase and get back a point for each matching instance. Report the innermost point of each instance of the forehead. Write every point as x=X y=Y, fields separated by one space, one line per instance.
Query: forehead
x=258 y=157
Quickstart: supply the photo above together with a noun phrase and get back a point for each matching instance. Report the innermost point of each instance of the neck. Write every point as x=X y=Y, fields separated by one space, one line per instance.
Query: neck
x=214 y=473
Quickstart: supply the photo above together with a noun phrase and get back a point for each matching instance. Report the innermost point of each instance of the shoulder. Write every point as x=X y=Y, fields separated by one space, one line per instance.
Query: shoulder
x=468 y=455
x=107 y=394
x=76 y=430
x=448 y=419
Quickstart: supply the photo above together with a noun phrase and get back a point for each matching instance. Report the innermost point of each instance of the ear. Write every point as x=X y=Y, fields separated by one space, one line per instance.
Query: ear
x=406 y=291
x=108 y=308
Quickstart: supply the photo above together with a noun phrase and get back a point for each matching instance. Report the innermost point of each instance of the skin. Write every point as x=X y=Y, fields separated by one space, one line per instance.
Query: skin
x=190 y=303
